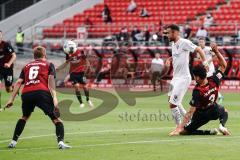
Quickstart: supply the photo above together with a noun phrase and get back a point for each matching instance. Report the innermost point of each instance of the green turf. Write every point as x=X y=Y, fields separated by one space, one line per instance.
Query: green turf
x=112 y=137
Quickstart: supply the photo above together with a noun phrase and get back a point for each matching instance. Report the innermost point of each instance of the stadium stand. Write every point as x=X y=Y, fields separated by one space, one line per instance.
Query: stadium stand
x=10 y=7
x=165 y=12
x=225 y=14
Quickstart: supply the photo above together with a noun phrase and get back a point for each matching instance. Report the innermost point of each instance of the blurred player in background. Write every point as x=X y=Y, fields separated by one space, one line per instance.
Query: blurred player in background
x=38 y=80
x=181 y=80
x=157 y=67
x=204 y=107
x=209 y=56
x=7 y=57
x=104 y=71
x=78 y=66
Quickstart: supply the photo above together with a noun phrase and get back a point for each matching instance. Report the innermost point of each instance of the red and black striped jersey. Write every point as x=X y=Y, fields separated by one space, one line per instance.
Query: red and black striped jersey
x=205 y=96
x=78 y=61
x=6 y=52
x=35 y=75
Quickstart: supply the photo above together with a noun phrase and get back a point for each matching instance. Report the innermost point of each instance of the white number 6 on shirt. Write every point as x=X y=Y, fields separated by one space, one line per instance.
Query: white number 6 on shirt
x=33 y=72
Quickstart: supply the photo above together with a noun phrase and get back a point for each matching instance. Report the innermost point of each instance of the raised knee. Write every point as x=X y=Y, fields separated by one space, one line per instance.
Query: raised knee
x=77 y=87
x=57 y=120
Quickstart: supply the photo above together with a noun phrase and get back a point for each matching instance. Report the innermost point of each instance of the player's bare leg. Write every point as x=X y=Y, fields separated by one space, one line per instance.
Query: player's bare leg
x=182 y=110
x=9 y=89
x=176 y=115
x=78 y=94
x=18 y=131
x=86 y=92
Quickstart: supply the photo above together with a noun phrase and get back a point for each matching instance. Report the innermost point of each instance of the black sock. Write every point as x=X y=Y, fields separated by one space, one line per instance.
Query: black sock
x=223 y=118
x=86 y=91
x=201 y=132
x=79 y=97
x=18 y=129
x=59 y=131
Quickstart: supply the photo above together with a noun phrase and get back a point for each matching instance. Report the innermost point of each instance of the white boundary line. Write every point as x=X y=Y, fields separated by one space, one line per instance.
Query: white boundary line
x=92 y=132
x=127 y=143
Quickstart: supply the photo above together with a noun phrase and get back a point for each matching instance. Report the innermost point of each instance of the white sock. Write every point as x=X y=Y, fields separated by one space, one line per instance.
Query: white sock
x=220 y=95
x=176 y=115
x=182 y=110
x=13 y=142
x=60 y=143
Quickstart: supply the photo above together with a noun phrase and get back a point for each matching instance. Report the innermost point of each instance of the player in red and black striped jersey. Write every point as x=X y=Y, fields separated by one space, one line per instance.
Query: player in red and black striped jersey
x=37 y=79
x=204 y=107
x=7 y=57
x=78 y=66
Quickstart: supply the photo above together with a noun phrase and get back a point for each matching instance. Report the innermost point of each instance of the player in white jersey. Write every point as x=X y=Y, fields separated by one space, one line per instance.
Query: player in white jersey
x=181 y=80
x=209 y=56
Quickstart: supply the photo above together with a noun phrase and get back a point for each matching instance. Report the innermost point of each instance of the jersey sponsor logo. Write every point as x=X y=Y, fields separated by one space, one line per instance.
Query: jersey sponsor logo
x=32 y=82
x=210 y=91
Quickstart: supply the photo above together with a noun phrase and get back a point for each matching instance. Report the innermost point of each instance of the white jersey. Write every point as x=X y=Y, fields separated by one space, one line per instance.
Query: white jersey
x=209 y=57
x=157 y=65
x=180 y=54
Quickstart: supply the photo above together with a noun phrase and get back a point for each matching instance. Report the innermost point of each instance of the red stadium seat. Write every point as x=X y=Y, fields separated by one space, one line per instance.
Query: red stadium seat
x=172 y=12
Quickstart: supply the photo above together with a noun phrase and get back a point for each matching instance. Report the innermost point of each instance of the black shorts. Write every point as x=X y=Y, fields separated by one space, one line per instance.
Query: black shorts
x=202 y=117
x=41 y=99
x=78 y=78
x=155 y=76
x=7 y=75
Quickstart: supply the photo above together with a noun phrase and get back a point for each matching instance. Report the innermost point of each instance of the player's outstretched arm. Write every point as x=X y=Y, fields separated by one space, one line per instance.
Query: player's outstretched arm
x=167 y=67
x=52 y=89
x=222 y=61
x=186 y=119
x=10 y=62
x=188 y=116
x=62 y=66
x=17 y=87
x=202 y=56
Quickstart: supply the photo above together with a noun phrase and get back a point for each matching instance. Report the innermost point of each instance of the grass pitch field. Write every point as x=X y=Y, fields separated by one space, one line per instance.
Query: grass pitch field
x=116 y=135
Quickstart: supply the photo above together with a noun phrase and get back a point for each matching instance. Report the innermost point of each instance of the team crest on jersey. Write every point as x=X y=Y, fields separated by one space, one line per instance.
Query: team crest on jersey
x=175 y=98
x=177 y=46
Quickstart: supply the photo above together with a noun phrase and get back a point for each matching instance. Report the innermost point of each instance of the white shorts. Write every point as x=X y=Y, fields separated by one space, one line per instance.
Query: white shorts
x=178 y=88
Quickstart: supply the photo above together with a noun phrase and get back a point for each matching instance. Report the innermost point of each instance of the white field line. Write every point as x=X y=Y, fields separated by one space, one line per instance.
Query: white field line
x=92 y=132
x=128 y=142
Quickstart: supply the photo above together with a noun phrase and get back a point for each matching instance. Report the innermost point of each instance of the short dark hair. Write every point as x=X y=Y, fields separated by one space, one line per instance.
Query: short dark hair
x=174 y=27
x=200 y=71
x=39 y=52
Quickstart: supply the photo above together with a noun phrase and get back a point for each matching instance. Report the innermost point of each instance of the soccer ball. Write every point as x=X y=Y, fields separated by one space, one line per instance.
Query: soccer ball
x=69 y=47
